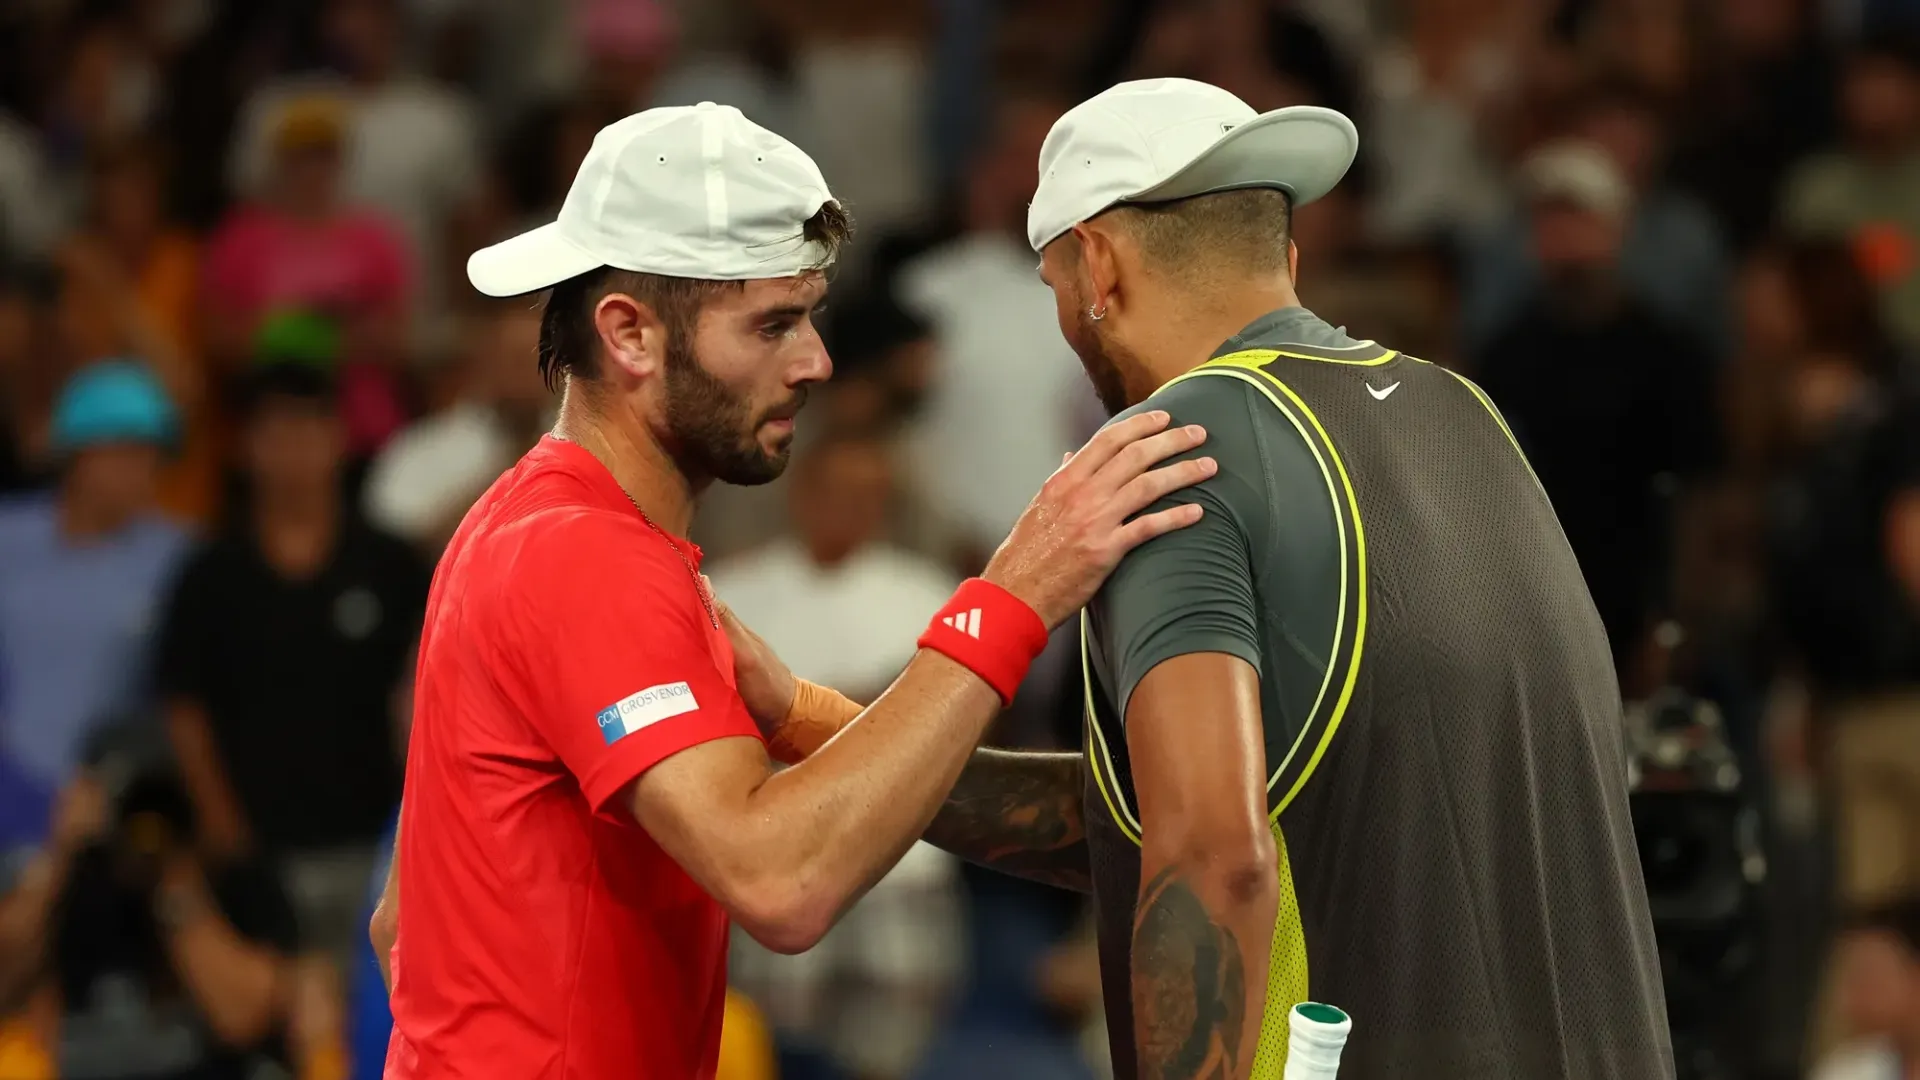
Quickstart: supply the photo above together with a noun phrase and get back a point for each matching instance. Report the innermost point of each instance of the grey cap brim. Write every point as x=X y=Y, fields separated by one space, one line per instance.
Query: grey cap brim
x=1303 y=150
x=536 y=259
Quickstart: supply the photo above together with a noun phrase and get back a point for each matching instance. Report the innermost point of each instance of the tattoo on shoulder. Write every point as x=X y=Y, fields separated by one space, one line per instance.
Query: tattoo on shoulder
x=1189 y=985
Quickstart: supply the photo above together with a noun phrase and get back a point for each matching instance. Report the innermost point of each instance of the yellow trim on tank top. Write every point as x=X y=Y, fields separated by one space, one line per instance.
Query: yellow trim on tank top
x=1234 y=365
x=1251 y=376
x=1105 y=776
x=1360 y=597
x=1254 y=358
x=1288 y=983
x=1487 y=403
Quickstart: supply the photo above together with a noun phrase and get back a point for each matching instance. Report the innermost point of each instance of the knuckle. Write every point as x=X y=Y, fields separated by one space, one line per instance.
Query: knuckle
x=1165 y=447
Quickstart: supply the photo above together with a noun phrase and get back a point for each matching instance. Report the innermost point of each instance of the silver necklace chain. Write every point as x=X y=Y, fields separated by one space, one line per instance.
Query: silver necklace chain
x=699 y=586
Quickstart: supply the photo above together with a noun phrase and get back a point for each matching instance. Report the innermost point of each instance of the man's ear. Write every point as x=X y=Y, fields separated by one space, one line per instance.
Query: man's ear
x=1293 y=261
x=1100 y=262
x=632 y=337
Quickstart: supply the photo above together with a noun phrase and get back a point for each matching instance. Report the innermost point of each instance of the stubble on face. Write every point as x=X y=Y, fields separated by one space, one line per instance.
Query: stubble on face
x=1098 y=359
x=714 y=429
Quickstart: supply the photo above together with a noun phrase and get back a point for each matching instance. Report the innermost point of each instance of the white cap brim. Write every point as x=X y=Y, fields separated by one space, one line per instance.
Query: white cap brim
x=536 y=259
x=1303 y=150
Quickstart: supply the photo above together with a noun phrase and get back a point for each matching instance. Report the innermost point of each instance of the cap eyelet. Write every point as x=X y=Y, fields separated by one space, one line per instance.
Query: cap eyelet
x=759 y=159
x=663 y=159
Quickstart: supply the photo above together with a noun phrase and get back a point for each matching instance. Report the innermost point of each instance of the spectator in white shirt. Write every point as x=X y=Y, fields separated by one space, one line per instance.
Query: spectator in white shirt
x=999 y=409
x=423 y=481
x=840 y=604
x=843 y=608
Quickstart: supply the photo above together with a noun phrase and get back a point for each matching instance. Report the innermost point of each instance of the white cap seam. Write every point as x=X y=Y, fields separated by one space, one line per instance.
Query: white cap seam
x=712 y=153
x=605 y=187
x=676 y=219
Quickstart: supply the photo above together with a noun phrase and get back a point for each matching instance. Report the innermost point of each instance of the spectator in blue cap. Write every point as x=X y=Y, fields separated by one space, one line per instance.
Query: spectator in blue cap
x=82 y=567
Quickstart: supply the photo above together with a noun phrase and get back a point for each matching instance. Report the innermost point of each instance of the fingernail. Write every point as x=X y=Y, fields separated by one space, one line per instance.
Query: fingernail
x=1209 y=466
x=1196 y=431
x=1160 y=415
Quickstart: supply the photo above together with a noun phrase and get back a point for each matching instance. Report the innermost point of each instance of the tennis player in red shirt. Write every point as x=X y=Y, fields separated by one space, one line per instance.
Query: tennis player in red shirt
x=589 y=799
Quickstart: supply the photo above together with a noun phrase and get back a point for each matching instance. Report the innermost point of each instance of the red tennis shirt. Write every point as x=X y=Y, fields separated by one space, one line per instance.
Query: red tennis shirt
x=543 y=934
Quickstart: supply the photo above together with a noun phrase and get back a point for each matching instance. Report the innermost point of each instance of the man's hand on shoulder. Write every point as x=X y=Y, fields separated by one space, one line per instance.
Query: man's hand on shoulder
x=1082 y=522
x=764 y=681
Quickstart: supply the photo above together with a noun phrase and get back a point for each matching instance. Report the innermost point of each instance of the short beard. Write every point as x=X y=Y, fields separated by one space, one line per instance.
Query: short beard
x=711 y=429
x=1102 y=369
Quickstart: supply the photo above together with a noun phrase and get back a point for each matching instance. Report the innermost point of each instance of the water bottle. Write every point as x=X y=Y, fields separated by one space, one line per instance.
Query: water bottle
x=1316 y=1034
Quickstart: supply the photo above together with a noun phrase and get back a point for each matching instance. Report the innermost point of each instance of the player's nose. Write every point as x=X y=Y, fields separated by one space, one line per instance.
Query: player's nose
x=813 y=365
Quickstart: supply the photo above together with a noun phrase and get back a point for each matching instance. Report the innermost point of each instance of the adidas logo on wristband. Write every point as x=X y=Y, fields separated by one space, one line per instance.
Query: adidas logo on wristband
x=967 y=622
x=1002 y=658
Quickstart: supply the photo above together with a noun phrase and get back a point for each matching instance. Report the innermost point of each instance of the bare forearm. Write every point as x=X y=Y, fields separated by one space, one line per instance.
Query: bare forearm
x=820 y=833
x=205 y=779
x=826 y=829
x=234 y=981
x=1019 y=813
x=1201 y=944
x=25 y=916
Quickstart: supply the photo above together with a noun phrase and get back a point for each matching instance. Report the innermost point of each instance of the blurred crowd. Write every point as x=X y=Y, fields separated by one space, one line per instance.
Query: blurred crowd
x=246 y=395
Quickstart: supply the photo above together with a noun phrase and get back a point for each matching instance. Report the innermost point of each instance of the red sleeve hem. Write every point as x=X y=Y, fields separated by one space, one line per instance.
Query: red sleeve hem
x=634 y=754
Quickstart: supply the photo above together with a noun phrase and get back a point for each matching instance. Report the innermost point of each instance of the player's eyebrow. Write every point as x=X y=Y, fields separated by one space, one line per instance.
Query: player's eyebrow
x=794 y=308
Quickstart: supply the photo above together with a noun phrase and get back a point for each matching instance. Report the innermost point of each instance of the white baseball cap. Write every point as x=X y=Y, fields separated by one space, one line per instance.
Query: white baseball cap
x=1155 y=140
x=1578 y=173
x=694 y=191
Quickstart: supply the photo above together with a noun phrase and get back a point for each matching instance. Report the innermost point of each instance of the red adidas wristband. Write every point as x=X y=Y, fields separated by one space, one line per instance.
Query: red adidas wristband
x=990 y=632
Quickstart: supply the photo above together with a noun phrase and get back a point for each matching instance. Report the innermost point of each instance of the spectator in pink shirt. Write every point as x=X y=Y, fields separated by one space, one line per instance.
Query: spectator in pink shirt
x=299 y=248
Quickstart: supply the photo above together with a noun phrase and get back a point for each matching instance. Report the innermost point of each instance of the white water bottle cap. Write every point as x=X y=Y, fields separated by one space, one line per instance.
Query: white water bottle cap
x=1315 y=1036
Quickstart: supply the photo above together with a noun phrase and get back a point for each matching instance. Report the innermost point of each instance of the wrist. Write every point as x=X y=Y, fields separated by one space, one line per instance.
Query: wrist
x=1010 y=583
x=816 y=715
x=991 y=631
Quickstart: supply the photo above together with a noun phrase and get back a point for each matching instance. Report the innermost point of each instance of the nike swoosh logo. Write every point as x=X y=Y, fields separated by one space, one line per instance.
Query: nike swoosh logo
x=1381 y=394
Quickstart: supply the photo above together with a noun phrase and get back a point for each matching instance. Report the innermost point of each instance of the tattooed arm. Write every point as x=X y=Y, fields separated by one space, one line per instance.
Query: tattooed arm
x=1018 y=813
x=1209 y=884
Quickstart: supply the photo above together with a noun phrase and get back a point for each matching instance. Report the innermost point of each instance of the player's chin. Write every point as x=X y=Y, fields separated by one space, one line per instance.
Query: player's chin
x=776 y=440
x=762 y=463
